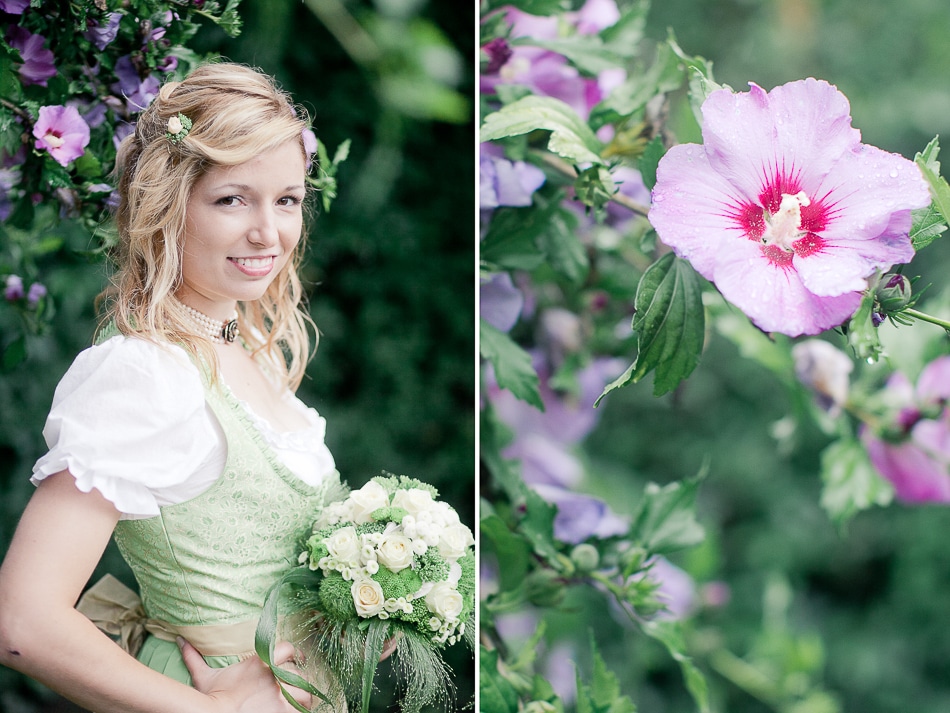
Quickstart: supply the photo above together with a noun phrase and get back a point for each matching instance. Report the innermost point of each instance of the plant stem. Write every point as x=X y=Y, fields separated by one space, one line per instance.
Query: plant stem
x=923 y=317
x=559 y=164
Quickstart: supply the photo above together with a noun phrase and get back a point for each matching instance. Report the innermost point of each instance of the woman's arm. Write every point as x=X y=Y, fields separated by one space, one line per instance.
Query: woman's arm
x=57 y=544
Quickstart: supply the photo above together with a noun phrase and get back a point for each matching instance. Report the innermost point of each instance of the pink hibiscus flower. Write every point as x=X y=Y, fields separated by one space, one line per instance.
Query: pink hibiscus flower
x=783 y=208
x=61 y=131
x=915 y=454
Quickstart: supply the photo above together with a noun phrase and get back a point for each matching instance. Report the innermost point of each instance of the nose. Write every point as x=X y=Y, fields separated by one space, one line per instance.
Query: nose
x=264 y=230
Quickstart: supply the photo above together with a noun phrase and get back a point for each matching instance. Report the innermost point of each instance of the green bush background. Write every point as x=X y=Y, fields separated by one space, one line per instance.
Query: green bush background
x=390 y=270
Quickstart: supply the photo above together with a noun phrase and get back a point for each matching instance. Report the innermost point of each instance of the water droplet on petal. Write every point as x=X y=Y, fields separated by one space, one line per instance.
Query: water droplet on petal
x=893 y=173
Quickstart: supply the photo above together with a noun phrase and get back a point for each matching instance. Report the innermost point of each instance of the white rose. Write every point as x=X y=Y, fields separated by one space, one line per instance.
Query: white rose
x=395 y=552
x=365 y=501
x=454 y=542
x=174 y=125
x=367 y=596
x=344 y=545
x=414 y=501
x=445 y=601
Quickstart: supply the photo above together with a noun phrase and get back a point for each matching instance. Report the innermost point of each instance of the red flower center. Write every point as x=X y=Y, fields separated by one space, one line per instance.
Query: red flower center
x=786 y=222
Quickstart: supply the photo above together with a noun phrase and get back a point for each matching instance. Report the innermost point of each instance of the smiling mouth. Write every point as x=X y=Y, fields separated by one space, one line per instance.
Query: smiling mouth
x=253 y=262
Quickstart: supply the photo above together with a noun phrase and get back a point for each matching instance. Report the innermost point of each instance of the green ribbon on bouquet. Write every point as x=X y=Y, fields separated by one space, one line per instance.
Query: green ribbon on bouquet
x=266 y=636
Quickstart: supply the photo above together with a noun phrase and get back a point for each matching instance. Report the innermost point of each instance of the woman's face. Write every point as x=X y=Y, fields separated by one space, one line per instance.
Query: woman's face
x=242 y=224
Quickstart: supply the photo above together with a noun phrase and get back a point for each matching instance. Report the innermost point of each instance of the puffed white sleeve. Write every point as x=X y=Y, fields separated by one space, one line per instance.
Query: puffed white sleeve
x=128 y=419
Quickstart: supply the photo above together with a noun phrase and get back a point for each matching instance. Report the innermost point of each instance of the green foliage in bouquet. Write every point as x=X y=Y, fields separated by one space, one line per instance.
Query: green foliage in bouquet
x=390 y=561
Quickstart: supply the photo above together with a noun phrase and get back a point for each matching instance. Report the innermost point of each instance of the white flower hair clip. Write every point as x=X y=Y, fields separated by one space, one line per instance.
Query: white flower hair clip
x=178 y=128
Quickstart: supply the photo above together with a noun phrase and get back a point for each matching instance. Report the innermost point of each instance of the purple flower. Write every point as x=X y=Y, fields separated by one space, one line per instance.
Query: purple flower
x=498 y=52
x=784 y=208
x=580 y=516
x=915 y=457
x=824 y=369
x=9 y=179
x=36 y=293
x=169 y=64
x=38 y=62
x=500 y=302
x=505 y=183
x=100 y=33
x=14 y=7
x=13 y=289
x=62 y=132
x=138 y=92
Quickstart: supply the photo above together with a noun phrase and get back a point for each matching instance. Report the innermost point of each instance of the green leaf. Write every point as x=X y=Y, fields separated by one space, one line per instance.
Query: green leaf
x=571 y=138
x=564 y=251
x=701 y=83
x=532 y=7
x=666 y=518
x=928 y=225
x=538 y=525
x=850 y=482
x=14 y=354
x=650 y=159
x=512 y=551
x=88 y=166
x=664 y=75
x=512 y=364
x=930 y=167
x=512 y=238
x=496 y=694
x=603 y=694
x=862 y=334
x=586 y=52
x=669 y=323
x=669 y=633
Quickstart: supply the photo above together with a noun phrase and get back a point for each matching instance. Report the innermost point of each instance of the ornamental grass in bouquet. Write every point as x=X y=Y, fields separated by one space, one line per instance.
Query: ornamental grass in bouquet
x=388 y=562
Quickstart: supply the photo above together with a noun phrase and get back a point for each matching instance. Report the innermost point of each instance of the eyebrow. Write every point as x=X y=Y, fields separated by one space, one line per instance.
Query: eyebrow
x=246 y=187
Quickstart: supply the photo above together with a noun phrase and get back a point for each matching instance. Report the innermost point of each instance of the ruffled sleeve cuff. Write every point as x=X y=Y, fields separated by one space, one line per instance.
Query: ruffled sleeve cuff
x=128 y=418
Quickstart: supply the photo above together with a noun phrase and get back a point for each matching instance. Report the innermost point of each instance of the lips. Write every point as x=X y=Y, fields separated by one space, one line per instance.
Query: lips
x=254 y=266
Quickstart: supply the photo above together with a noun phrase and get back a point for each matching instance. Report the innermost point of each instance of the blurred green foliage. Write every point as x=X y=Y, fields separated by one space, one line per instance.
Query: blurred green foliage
x=390 y=268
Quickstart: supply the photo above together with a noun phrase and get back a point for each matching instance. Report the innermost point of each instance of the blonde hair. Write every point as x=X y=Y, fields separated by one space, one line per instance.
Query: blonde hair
x=237 y=114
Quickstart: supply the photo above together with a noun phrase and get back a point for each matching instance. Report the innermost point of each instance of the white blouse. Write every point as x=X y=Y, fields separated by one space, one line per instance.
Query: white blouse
x=129 y=418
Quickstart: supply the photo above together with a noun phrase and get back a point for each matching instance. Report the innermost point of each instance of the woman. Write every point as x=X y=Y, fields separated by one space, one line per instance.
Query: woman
x=179 y=430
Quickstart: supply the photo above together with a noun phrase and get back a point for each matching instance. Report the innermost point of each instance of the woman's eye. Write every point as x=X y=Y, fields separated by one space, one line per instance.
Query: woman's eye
x=289 y=201
x=229 y=201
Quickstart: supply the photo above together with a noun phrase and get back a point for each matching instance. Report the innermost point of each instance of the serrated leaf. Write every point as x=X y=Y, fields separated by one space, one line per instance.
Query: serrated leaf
x=700 y=74
x=669 y=634
x=862 y=334
x=564 y=251
x=496 y=694
x=930 y=168
x=664 y=75
x=512 y=364
x=603 y=694
x=669 y=323
x=538 y=524
x=928 y=225
x=513 y=236
x=666 y=518
x=512 y=551
x=571 y=138
x=586 y=52
x=850 y=481
x=650 y=159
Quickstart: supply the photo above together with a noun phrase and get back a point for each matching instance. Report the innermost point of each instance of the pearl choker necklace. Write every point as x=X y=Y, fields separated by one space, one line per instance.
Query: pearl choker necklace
x=218 y=331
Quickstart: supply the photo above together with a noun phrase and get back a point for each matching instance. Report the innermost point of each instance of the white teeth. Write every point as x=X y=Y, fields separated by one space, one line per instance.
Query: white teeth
x=253 y=261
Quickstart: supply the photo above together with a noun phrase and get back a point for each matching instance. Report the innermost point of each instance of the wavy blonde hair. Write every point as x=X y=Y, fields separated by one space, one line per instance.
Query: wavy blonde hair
x=237 y=114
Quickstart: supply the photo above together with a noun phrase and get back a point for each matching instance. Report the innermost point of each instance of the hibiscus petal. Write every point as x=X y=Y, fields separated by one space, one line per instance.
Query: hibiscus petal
x=775 y=299
x=691 y=208
x=797 y=131
x=833 y=271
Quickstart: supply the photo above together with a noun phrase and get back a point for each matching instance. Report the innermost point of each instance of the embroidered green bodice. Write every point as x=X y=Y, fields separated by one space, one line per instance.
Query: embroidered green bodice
x=212 y=559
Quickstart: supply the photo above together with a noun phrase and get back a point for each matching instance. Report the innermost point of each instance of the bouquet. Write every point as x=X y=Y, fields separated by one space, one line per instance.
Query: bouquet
x=388 y=562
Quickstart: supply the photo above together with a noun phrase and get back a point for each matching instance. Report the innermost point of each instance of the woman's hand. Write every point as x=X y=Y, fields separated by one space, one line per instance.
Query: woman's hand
x=245 y=687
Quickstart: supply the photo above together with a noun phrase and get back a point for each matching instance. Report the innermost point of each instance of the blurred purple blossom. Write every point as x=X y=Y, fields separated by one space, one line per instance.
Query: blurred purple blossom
x=500 y=302
x=503 y=182
x=915 y=455
x=580 y=516
x=101 y=32
x=9 y=179
x=498 y=52
x=122 y=129
x=168 y=64
x=677 y=590
x=95 y=115
x=62 y=132
x=825 y=370
x=36 y=293
x=14 y=7
x=13 y=288
x=38 y=62
x=547 y=73
x=138 y=92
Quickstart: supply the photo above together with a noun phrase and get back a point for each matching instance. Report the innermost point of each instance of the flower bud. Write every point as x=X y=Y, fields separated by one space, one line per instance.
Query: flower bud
x=585 y=557
x=544 y=588
x=893 y=293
